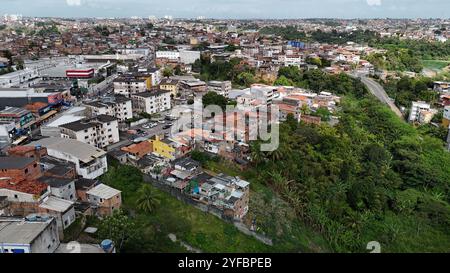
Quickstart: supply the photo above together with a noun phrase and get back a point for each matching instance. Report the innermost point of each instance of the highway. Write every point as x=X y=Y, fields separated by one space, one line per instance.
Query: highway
x=378 y=91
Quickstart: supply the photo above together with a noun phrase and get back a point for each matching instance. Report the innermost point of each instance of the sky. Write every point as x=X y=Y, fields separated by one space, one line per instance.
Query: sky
x=230 y=9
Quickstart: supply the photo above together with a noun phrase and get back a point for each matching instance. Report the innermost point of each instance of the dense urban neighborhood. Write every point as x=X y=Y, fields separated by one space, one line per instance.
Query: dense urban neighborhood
x=105 y=141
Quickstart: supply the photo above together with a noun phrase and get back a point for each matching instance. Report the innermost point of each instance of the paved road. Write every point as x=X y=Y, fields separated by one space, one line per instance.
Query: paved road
x=378 y=91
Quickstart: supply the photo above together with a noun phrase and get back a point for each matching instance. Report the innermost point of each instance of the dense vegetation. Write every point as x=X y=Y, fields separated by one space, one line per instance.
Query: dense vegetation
x=396 y=59
x=371 y=178
x=318 y=80
x=288 y=32
x=332 y=37
x=425 y=50
x=406 y=90
x=236 y=72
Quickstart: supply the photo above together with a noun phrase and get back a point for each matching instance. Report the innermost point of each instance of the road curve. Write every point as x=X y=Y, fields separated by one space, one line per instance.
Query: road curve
x=378 y=91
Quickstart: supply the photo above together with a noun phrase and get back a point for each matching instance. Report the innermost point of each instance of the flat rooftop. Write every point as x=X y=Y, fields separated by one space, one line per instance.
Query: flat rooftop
x=19 y=231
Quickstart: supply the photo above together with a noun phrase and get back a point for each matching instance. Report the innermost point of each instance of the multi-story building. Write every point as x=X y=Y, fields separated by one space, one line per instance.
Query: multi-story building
x=104 y=199
x=182 y=56
x=118 y=107
x=170 y=85
x=90 y=162
x=21 y=117
x=416 y=109
x=128 y=85
x=151 y=102
x=220 y=87
x=100 y=131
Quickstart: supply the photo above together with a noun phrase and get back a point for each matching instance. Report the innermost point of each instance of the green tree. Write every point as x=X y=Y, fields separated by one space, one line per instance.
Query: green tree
x=147 y=200
x=119 y=228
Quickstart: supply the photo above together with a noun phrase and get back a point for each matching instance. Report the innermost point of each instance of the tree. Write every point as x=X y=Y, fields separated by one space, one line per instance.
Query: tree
x=314 y=61
x=118 y=228
x=283 y=81
x=167 y=72
x=147 y=200
x=212 y=98
x=245 y=79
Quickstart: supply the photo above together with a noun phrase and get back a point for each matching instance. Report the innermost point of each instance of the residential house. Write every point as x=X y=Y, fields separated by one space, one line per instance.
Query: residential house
x=90 y=162
x=104 y=199
x=34 y=234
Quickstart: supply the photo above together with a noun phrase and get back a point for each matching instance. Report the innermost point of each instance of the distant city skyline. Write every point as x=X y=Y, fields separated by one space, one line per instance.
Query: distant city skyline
x=231 y=9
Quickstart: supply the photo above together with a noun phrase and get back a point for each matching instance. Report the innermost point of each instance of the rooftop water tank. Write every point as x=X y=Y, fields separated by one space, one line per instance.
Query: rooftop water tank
x=107 y=245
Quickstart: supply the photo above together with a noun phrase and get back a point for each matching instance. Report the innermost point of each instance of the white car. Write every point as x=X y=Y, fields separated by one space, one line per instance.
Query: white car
x=146 y=126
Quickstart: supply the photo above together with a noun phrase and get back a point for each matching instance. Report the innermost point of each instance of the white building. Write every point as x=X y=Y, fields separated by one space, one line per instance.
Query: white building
x=220 y=87
x=100 y=131
x=151 y=102
x=18 y=78
x=118 y=107
x=90 y=162
x=62 y=210
x=19 y=235
x=416 y=109
x=170 y=55
x=61 y=187
x=126 y=86
x=182 y=56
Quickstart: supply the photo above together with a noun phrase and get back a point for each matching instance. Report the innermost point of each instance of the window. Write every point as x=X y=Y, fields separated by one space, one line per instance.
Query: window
x=16 y=196
x=26 y=170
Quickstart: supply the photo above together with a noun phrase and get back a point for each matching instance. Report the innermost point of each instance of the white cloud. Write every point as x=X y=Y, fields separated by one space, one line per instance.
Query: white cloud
x=374 y=2
x=73 y=2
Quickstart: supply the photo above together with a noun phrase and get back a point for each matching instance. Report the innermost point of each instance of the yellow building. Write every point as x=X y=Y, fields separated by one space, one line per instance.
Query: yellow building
x=164 y=147
x=169 y=85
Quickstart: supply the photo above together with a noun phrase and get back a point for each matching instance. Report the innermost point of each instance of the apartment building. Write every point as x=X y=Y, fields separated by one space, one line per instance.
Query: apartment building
x=417 y=108
x=128 y=85
x=100 y=131
x=118 y=106
x=170 y=85
x=220 y=87
x=151 y=102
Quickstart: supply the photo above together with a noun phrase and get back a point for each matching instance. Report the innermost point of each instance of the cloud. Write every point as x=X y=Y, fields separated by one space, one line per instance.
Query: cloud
x=374 y=2
x=73 y=2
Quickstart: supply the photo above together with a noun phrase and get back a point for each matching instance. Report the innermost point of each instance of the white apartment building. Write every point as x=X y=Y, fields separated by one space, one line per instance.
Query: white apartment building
x=220 y=87
x=183 y=56
x=126 y=86
x=100 y=131
x=416 y=108
x=118 y=107
x=171 y=55
x=151 y=102
x=263 y=92
x=90 y=162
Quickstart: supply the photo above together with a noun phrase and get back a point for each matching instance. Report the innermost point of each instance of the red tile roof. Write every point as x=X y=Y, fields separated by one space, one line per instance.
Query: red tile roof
x=25 y=186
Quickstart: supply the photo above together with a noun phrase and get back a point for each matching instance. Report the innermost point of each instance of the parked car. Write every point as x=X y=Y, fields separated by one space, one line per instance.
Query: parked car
x=146 y=126
x=167 y=126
